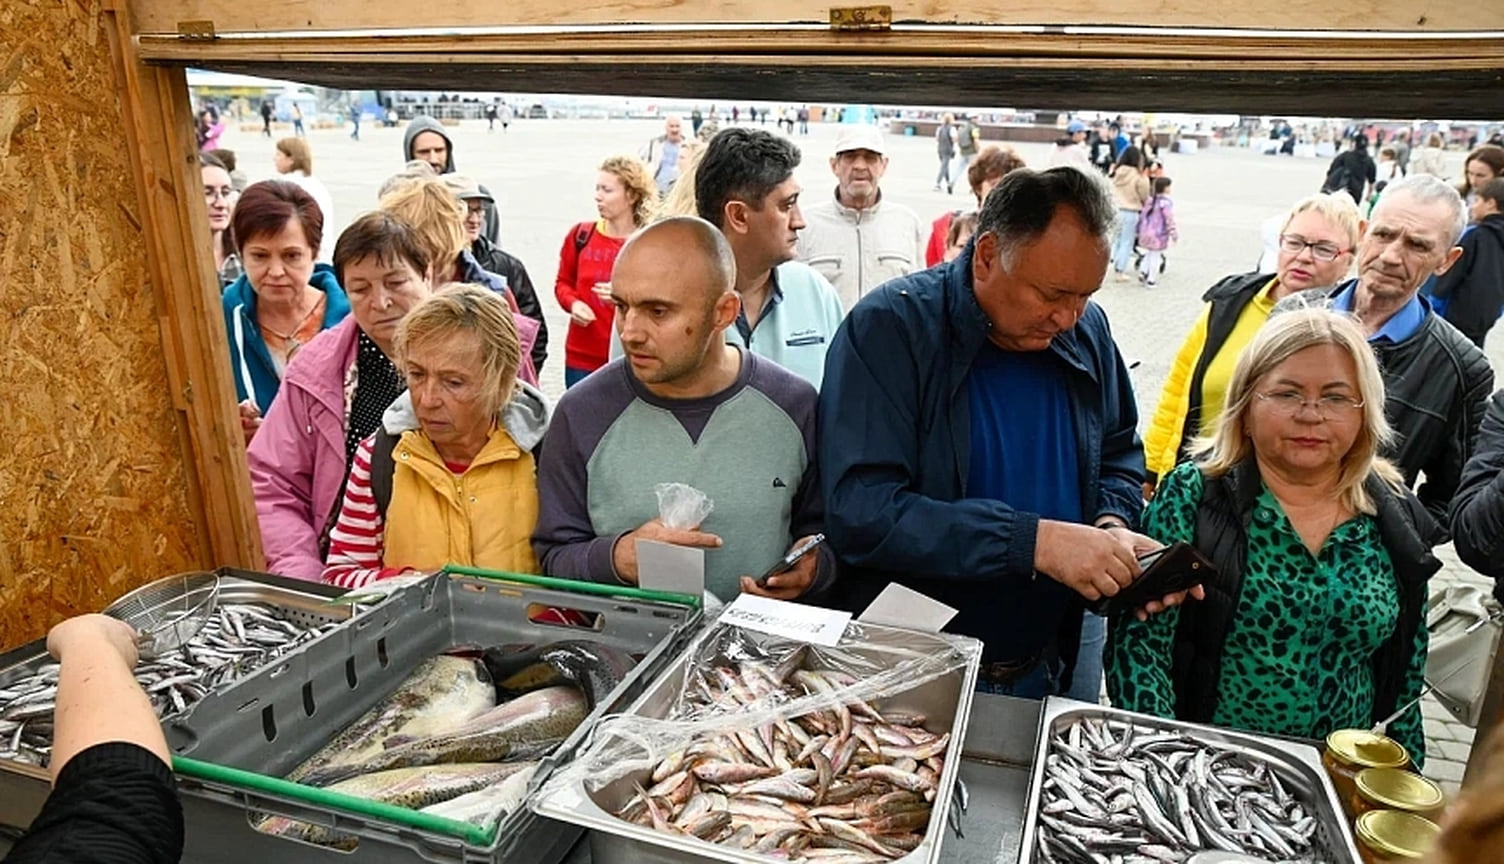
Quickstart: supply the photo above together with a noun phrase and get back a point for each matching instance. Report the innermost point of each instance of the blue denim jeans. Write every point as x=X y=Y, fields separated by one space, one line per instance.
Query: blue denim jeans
x=1041 y=681
x=1086 y=681
x=1122 y=250
x=573 y=376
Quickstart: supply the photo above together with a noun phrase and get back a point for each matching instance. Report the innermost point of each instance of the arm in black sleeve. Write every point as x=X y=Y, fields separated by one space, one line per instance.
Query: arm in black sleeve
x=113 y=803
x=527 y=303
x=1444 y=469
x=1477 y=517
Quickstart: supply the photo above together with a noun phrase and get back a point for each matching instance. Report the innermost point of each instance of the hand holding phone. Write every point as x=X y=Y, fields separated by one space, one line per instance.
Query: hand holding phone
x=788 y=561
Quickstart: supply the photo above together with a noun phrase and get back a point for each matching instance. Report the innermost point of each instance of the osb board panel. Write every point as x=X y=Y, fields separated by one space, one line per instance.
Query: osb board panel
x=163 y=16
x=92 y=480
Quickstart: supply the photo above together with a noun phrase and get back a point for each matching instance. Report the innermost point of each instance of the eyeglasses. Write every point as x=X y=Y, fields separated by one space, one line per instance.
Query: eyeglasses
x=1321 y=251
x=1288 y=403
x=225 y=192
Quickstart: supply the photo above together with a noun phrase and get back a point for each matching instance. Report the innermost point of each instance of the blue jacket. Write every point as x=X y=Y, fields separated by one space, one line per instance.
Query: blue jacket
x=250 y=362
x=895 y=448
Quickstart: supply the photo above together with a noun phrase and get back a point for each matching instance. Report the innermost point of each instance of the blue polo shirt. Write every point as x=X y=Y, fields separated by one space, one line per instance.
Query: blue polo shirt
x=798 y=320
x=1400 y=326
x=1023 y=453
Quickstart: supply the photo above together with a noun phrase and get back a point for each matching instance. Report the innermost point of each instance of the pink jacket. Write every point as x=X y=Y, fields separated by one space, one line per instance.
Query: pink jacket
x=298 y=455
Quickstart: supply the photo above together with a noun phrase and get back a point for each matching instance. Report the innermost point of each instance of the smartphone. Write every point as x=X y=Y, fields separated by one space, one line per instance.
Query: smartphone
x=1167 y=570
x=788 y=561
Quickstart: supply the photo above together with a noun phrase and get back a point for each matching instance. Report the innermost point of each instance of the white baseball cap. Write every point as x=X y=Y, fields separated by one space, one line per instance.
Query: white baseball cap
x=860 y=136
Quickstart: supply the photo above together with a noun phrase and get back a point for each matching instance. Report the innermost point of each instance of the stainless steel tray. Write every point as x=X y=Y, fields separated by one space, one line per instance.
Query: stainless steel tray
x=24 y=787
x=270 y=729
x=1298 y=766
x=946 y=702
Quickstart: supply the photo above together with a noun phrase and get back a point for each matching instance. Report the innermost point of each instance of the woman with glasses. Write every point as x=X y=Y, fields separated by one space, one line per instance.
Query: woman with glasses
x=1316 y=248
x=1314 y=619
x=219 y=198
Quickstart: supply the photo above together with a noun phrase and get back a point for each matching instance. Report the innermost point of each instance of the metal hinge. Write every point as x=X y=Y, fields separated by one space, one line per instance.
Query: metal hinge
x=844 y=18
x=197 y=29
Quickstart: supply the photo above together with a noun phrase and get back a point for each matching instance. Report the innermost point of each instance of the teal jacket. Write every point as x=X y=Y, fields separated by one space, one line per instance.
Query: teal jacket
x=250 y=362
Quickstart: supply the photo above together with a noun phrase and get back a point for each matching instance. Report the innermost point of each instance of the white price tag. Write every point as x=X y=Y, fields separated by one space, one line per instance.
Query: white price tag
x=899 y=606
x=792 y=620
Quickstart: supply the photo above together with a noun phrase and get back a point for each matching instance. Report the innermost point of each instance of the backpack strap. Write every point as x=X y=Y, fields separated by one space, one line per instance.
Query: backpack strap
x=383 y=467
x=582 y=236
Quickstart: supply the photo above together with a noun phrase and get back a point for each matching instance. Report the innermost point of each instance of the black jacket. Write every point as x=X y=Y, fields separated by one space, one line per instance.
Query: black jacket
x=1407 y=531
x=1227 y=298
x=1436 y=387
x=1357 y=174
x=504 y=264
x=1474 y=287
x=1478 y=510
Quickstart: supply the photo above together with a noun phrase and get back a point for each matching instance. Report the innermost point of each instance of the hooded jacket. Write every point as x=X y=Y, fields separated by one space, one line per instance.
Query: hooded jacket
x=250 y=361
x=1130 y=188
x=482 y=517
x=424 y=123
x=1473 y=289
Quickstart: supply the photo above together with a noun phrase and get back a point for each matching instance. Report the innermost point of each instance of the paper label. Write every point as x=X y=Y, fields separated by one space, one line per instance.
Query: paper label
x=899 y=606
x=791 y=620
x=666 y=567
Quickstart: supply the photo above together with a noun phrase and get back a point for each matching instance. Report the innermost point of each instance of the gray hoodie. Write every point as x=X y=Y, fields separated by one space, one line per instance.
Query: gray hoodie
x=424 y=123
x=525 y=416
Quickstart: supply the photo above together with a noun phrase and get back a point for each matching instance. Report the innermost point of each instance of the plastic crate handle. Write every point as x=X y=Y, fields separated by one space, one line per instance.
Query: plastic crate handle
x=224 y=774
x=576 y=586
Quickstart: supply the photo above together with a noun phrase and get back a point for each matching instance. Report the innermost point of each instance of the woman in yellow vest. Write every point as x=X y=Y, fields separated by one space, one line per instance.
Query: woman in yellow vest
x=1316 y=246
x=449 y=477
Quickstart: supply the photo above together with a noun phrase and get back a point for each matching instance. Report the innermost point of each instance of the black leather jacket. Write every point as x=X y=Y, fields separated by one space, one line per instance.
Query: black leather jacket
x=1478 y=509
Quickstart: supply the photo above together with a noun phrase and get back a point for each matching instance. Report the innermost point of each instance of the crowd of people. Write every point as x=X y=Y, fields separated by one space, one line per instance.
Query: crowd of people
x=949 y=408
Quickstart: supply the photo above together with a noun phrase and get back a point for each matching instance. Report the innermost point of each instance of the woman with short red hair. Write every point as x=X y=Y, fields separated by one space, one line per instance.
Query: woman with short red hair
x=284 y=299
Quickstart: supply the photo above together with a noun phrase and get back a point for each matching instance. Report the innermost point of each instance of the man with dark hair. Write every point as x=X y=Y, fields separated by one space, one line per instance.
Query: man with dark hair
x=745 y=186
x=1472 y=291
x=997 y=434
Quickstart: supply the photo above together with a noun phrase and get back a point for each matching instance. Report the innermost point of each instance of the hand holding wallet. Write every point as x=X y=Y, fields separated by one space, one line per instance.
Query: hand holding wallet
x=1167 y=570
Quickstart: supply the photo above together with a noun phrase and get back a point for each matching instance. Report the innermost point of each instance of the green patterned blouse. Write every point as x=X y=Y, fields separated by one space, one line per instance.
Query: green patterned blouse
x=1296 y=660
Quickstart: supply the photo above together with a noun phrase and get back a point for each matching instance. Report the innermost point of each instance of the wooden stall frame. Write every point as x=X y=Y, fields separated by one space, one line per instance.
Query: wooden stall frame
x=158 y=133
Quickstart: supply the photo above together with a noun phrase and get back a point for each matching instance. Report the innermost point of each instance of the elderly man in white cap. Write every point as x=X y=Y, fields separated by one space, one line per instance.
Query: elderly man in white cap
x=855 y=239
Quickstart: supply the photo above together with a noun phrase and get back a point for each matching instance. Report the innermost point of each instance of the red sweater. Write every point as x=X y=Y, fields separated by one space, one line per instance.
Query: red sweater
x=580 y=268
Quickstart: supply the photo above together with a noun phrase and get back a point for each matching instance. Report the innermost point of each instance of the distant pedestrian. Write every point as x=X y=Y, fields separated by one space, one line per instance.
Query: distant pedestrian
x=945 y=149
x=1071 y=149
x=505 y=113
x=293 y=159
x=266 y=119
x=355 y=121
x=297 y=121
x=1132 y=189
x=1430 y=159
x=1156 y=231
x=1401 y=145
x=803 y=121
x=968 y=136
x=736 y=114
x=696 y=120
x=491 y=117
x=1352 y=171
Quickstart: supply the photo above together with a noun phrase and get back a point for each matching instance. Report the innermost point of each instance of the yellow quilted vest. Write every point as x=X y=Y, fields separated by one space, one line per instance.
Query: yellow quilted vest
x=481 y=518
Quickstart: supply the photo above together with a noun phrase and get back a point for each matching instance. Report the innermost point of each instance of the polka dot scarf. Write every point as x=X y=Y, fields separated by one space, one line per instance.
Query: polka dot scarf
x=378 y=384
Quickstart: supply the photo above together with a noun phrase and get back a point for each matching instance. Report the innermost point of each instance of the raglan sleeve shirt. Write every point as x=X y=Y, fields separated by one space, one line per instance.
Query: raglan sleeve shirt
x=565 y=541
x=358 y=539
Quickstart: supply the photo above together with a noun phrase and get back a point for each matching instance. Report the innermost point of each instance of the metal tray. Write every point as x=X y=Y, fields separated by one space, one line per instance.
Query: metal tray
x=946 y=702
x=287 y=711
x=24 y=787
x=1298 y=766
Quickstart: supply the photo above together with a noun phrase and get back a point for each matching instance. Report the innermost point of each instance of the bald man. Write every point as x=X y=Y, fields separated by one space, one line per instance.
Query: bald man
x=682 y=406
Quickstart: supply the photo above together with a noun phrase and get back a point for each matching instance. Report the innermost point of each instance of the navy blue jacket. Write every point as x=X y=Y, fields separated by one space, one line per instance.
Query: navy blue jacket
x=895 y=450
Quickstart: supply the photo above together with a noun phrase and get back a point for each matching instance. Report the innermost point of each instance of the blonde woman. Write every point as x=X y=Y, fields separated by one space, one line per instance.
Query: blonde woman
x=625 y=198
x=1430 y=159
x=1316 y=618
x=1316 y=248
x=449 y=476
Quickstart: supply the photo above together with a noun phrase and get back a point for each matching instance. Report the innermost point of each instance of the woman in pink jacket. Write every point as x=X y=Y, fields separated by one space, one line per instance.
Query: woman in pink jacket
x=334 y=393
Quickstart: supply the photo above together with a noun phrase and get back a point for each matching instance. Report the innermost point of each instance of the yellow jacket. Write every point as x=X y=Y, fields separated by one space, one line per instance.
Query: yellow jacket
x=1162 y=440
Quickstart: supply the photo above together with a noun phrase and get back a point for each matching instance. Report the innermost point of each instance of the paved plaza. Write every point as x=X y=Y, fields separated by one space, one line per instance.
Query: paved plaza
x=543 y=174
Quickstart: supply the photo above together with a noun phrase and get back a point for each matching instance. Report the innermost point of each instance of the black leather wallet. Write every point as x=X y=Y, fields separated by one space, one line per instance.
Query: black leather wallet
x=1165 y=571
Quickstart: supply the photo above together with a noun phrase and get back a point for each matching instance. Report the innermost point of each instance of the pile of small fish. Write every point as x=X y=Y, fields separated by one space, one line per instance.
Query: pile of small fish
x=1117 y=793
x=851 y=783
x=236 y=640
x=460 y=737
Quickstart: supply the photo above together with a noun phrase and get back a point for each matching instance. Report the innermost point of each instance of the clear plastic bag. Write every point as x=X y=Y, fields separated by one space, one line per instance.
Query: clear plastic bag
x=681 y=507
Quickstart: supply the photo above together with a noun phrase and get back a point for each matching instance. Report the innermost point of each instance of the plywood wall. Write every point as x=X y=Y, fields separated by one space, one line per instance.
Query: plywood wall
x=93 y=479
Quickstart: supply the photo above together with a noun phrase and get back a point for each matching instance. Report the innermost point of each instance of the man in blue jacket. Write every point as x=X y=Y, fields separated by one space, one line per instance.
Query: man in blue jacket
x=978 y=434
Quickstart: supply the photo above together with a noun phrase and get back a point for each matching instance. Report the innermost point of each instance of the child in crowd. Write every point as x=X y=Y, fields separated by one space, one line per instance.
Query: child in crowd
x=961 y=230
x=1156 y=231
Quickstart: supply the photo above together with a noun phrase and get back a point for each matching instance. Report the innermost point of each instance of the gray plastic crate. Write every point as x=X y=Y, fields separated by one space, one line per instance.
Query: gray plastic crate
x=287 y=711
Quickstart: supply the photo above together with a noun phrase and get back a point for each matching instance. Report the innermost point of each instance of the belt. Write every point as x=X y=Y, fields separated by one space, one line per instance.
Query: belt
x=1003 y=672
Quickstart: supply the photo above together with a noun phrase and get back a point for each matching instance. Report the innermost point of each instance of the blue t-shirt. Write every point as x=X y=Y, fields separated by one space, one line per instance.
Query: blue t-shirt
x=1024 y=453
x=668 y=166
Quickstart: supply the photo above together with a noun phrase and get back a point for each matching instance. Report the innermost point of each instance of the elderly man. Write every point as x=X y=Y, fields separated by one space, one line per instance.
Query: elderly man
x=855 y=239
x=1436 y=382
x=682 y=406
x=978 y=434
x=661 y=154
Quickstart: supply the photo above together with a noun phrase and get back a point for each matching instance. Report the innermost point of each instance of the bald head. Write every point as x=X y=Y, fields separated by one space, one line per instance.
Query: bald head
x=687 y=245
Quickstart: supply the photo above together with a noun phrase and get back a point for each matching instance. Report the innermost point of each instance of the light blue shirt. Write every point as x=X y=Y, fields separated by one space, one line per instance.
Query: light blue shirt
x=1400 y=326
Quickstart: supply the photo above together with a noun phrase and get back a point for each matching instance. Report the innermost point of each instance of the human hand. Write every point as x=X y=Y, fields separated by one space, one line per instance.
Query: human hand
x=603 y=291
x=580 y=313
x=1169 y=601
x=624 y=554
x=791 y=583
x=93 y=632
x=1149 y=489
x=1088 y=560
x=250 y=419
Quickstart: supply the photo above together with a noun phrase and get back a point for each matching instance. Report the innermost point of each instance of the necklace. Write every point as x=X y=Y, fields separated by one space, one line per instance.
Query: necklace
x=286 y=337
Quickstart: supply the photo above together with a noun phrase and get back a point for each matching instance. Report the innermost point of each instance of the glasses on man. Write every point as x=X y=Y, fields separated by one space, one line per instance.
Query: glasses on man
x=1320 y=249
x=1331 y=406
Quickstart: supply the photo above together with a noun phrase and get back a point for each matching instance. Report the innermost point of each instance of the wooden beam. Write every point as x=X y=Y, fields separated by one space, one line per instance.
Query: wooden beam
x=184 y=285
x=227 y=16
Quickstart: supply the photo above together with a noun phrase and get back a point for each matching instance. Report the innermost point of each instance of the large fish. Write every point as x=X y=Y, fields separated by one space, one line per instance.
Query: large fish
x=442 y=693
x=593 y=667
x=413 y=788
x=483 y=808
x=527 y=728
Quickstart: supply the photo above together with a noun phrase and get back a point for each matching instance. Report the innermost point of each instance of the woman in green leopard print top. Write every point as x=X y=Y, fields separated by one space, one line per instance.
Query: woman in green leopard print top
x=1321 y=595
